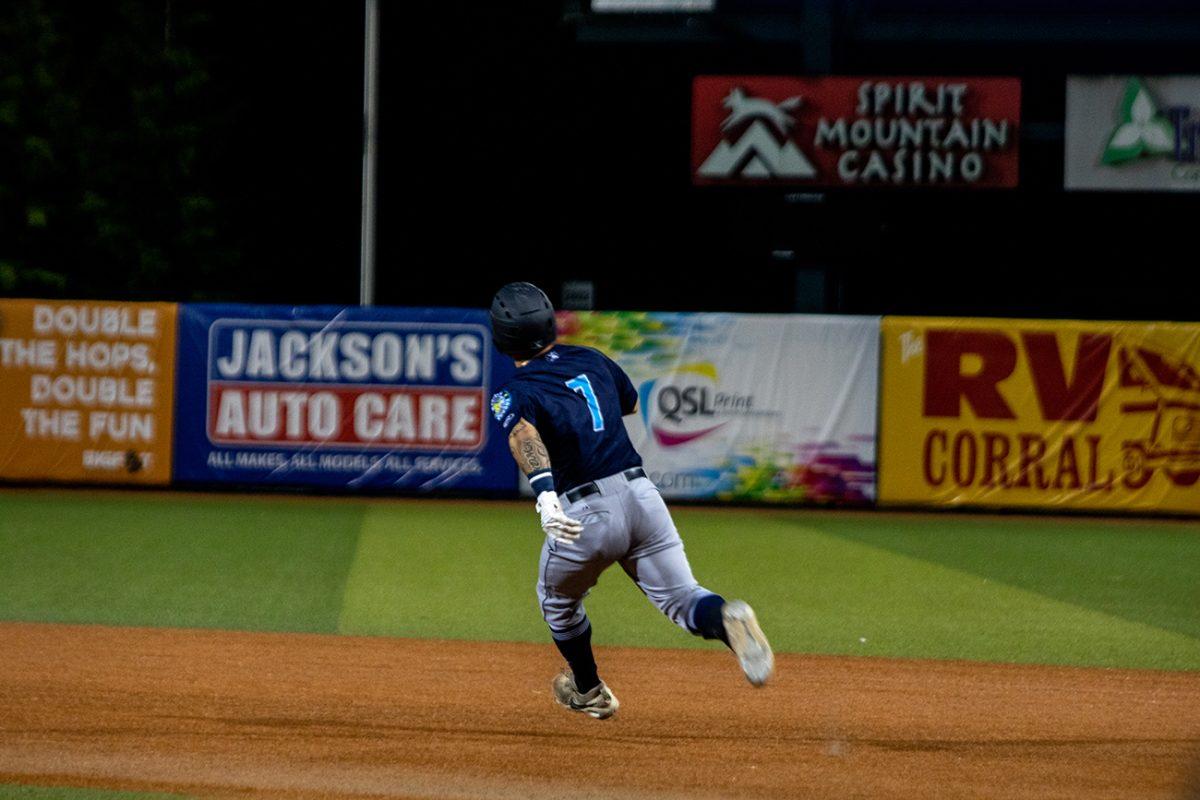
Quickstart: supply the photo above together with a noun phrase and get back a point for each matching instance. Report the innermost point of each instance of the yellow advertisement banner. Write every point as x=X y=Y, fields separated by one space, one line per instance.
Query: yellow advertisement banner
x=87 y=391
x=1036 y=413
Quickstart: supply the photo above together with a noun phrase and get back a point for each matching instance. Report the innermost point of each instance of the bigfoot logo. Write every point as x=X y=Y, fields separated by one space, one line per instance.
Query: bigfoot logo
x=760 y=146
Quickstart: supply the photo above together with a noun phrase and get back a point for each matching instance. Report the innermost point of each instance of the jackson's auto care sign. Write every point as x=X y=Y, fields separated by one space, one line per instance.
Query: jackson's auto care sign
x=339 y=397
x=835 y=132
x=995 y=412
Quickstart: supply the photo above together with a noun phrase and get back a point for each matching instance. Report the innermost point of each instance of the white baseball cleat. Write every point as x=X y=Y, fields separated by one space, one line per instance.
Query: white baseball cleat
x=599 y=702
x=748 y=642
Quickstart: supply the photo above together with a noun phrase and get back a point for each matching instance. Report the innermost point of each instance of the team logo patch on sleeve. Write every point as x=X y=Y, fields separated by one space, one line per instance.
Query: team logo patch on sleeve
x=501 y=401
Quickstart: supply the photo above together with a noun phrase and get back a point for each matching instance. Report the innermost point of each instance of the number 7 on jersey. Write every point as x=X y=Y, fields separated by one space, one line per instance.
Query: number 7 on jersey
x=583 y=385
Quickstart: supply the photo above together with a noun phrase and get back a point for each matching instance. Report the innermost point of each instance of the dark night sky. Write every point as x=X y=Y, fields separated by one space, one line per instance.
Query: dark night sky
x=511 y=150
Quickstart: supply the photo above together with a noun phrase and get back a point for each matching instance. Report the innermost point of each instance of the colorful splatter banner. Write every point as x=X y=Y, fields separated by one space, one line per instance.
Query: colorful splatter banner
x=741 y=407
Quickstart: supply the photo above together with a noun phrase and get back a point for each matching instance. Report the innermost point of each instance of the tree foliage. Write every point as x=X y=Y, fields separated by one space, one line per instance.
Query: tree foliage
x=102 y=110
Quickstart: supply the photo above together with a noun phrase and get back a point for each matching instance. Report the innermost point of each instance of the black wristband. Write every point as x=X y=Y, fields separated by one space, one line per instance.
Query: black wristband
x=541 y=480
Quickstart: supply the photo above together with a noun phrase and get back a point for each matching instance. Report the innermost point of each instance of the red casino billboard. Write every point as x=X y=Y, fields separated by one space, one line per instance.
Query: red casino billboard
x=855 y=131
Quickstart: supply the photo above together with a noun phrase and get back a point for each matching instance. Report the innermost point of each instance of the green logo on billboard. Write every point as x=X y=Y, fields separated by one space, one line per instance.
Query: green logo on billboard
x=1142 y=129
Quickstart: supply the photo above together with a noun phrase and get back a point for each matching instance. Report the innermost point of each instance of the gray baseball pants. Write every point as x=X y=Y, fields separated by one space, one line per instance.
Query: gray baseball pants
x=628 y=523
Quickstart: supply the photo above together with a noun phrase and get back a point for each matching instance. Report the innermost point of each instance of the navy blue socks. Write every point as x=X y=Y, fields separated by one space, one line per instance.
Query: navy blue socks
x=707 y=620
x=578 y=653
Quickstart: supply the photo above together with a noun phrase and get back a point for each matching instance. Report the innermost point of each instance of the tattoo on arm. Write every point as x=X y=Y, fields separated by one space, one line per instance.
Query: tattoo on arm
x=527 y=448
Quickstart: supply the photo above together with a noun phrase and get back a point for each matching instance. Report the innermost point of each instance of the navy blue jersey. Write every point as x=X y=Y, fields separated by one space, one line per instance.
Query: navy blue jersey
x=575 y=397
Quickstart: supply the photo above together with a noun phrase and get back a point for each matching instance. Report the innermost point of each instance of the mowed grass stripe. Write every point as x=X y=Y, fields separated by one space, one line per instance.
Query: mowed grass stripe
x=1141 y=570
x=236 y=563
x=815 y=593
x=447 y=571
x=844 y=597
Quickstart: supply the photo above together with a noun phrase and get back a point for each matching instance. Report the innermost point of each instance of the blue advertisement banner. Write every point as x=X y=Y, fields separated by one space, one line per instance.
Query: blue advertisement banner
x=339 y=397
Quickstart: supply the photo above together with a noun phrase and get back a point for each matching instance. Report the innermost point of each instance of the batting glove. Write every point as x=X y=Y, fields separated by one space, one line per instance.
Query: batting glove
x=555 y=523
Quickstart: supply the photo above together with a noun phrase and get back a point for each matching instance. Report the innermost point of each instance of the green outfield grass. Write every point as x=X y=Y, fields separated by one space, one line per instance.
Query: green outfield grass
x=1095 y=592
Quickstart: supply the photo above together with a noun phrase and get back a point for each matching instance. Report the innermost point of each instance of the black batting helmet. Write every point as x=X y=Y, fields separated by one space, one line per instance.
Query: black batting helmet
x=522 y=320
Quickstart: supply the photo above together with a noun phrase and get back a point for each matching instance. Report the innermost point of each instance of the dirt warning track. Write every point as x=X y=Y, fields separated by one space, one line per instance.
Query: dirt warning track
x=220 y=714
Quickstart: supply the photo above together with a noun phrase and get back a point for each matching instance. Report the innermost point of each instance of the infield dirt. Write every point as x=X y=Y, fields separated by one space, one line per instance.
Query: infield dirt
x=221 y=714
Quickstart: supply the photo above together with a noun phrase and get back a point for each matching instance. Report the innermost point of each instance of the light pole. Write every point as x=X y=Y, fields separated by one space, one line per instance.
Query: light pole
x=366 y=286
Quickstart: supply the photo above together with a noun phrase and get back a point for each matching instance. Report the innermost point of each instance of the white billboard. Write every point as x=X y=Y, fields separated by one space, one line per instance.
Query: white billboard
x=747 y=407
x=1132 y=133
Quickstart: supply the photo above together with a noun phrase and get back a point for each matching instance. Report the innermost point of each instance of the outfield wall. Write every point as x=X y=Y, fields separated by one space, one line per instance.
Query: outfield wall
x=995 y=413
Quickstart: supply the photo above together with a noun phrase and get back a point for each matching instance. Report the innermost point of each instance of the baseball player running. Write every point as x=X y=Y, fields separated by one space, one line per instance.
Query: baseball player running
x=562 y=414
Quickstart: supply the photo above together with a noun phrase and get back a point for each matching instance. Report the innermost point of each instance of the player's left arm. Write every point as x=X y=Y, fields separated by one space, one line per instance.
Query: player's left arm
x=527 y=448
x=529 y=451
